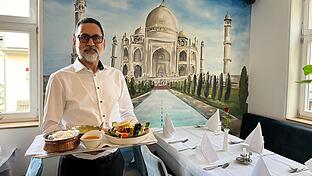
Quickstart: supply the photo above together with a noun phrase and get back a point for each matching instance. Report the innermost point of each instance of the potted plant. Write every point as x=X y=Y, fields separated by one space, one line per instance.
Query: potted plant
x=307 y=70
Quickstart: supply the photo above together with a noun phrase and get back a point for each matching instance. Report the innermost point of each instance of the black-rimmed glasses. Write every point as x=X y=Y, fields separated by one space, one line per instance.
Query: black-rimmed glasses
x=84 y=38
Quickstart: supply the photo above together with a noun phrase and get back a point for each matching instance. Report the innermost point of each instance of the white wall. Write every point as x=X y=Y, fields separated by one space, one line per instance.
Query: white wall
x=268 y=66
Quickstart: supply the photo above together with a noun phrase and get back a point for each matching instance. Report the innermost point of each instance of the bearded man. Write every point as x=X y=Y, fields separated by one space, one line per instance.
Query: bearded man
x=88 y=92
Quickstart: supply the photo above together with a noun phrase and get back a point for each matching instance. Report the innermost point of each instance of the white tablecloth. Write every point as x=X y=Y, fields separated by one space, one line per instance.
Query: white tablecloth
x=186 y=162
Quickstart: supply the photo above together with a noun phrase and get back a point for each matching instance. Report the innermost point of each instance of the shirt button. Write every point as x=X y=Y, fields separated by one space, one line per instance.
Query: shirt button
x=94 y=75
x=98 y=87
x=100 y=101
x=103 y=115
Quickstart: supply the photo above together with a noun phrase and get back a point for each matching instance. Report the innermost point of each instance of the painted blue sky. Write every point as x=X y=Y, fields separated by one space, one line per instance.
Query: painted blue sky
x=200 y=18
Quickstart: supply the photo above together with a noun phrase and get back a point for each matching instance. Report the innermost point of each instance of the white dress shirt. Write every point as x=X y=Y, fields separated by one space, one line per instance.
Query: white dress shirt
x=77 y=96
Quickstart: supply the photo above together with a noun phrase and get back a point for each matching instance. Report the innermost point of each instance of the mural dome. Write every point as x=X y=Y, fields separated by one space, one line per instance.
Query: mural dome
x=182 y=34
x=161 y=16
x=139 y=30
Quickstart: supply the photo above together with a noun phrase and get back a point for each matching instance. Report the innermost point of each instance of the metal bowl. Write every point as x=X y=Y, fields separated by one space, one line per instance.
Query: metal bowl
x=60 y=145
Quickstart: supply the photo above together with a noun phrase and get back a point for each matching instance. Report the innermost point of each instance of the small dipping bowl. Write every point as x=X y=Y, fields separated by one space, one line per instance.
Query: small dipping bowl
x=92 y=139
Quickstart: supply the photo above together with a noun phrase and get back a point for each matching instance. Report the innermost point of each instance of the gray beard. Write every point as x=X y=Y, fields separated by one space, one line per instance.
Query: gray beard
x=91 y=58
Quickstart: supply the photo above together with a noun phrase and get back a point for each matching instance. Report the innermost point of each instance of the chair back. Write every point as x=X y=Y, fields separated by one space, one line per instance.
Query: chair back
x=154 y=165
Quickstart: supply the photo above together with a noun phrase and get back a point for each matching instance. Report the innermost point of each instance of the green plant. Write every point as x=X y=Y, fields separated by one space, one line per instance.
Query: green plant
x=307 y=70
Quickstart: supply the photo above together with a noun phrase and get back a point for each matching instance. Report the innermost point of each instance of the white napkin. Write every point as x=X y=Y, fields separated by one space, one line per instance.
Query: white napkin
x=213 y=123
x=255 y=140
x=168 y=128
x=206 y=150
x=260 y=169
x=309 y=164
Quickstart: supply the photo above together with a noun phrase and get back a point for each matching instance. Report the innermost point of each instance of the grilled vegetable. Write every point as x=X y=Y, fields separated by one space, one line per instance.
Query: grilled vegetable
x=127 y=130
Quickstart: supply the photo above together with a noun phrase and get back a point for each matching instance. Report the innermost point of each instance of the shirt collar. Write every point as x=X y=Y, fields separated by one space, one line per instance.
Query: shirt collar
x=79 y=66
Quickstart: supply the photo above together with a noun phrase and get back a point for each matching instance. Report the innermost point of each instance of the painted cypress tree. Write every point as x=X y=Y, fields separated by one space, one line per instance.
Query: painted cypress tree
x=210 y=85
x=228 y=88
x=206 y=91
x=185 y=86
x=127 y=82
x=214 y=87
x=194 y=84
x=189 y=80
x=220 y=93
x=243 y=90
x=143 y=86
x=200 y=84
x=181 y=87
x=132 y=87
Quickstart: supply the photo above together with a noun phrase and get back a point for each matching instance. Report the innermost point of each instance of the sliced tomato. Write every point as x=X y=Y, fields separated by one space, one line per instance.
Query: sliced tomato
x=124 y=135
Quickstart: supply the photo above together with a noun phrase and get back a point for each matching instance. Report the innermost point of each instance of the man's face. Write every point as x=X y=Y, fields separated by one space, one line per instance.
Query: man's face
x=89 y=50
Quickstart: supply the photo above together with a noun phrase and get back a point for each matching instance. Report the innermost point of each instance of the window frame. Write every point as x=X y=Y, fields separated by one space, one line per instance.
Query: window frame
x=26 y=25
x=32 y=19
x=304 y=89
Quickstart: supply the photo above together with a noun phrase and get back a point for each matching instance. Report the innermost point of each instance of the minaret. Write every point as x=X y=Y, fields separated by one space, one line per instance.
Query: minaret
x=80 y=8
x=227 y=43
x=201 y=64
x=114 y=46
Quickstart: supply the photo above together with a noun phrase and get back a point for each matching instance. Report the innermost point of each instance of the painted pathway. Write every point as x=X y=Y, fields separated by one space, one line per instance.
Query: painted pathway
x=162 y=102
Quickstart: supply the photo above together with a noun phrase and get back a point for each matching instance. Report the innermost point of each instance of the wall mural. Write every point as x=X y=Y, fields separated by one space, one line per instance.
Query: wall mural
x=180 y=58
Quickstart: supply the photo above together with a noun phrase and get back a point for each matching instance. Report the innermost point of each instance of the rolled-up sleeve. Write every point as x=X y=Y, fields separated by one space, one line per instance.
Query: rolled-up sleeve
x=54 y=105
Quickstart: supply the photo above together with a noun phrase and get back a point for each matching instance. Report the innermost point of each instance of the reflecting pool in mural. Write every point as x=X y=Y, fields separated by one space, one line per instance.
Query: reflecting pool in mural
x=162 y=102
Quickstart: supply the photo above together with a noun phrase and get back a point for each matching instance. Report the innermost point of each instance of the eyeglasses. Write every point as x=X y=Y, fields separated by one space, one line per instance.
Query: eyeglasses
x=84 y=38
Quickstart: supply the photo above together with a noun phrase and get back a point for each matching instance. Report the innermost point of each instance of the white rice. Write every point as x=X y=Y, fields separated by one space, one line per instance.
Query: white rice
x=60 y=135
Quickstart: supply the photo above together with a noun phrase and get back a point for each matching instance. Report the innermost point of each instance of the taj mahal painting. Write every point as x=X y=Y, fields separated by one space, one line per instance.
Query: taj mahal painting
x=160 y=50
x=164 y=48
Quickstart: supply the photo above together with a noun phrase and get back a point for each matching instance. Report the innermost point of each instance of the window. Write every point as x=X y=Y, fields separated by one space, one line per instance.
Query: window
x=18 y=61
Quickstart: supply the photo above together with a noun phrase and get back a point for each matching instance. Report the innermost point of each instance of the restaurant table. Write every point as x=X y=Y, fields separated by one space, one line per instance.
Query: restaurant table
x=183 y=159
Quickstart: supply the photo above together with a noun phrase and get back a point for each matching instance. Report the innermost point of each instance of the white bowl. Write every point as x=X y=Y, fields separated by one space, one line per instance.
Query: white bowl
x=92 y=139
x=127 y=141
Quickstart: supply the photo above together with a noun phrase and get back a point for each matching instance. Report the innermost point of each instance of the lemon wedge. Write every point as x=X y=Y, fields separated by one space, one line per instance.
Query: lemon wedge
x=124 y=123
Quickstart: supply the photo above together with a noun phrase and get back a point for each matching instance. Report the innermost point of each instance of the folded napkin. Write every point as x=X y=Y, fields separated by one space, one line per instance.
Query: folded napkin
x=206 y=150
x=213 y=123
x=309 y=164
x=260 y=169
x=168 y=128
x=255 y=140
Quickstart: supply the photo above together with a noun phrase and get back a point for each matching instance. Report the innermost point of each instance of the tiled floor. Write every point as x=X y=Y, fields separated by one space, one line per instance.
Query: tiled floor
x=130 y=167
x=131 y=170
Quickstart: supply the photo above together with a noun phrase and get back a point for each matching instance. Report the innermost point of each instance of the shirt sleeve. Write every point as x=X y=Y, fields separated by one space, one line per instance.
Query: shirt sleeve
x=54 y=105
x=125 y=103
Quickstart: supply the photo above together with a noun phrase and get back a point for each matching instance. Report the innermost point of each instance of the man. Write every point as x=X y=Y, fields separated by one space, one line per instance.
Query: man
x=88 y=93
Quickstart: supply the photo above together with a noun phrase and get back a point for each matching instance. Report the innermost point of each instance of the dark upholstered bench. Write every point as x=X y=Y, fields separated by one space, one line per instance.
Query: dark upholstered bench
x=285 y=138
